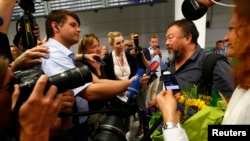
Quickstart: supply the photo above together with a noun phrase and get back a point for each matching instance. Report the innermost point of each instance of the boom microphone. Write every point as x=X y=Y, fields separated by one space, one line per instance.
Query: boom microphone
x=134 y=87
x=192 y=10
x=152 y=67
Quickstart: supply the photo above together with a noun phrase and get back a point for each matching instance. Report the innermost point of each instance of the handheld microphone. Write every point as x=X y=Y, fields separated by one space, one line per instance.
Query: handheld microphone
x=152 y=67
x=134 y=87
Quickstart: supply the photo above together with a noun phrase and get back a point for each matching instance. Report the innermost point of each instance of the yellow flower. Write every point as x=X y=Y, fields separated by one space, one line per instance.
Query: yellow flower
x=179 y=113
x=191 y=102
x=181 y=99
x=201 y=103
x=203 y=106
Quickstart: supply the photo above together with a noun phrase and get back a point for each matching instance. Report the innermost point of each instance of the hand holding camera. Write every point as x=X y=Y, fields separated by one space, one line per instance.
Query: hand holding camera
x=48 y=104
x=64 y=81
x=138 y=49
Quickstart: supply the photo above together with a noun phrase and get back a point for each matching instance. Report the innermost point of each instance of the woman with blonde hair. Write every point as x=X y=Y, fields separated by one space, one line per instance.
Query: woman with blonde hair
x=119 y=64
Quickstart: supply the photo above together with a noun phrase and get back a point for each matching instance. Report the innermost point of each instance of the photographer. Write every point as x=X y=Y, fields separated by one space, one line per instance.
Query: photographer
x=27 y=59
x=141 y=62
x=137 y=51
x=47 y=106
x=35 y=116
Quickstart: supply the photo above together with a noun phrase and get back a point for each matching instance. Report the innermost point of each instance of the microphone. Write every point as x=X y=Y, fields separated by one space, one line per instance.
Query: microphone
x=152 y=67
x=150 y=71
x=192 y=10
x=134 y=87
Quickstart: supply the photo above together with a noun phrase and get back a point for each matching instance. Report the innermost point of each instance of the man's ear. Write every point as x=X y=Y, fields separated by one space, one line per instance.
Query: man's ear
x=188 y=38
x=54 y=26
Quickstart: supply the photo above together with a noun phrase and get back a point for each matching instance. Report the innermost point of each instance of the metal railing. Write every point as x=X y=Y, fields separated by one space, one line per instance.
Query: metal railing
x=44 y=7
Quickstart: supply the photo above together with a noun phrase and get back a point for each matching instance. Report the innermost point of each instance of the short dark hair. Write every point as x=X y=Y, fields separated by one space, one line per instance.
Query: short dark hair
x=58 y=16
x=219 y=41
x=188 y=27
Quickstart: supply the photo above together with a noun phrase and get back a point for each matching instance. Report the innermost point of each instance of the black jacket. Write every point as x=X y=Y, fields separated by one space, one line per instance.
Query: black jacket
x=109 y=67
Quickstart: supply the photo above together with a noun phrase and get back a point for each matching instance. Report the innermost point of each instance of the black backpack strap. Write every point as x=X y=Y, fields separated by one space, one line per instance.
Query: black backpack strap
x=208 y=68
x=75 y=118
x=146 y=53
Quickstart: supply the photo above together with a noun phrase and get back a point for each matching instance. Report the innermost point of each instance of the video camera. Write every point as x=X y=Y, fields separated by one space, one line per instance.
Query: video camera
x=25 y=38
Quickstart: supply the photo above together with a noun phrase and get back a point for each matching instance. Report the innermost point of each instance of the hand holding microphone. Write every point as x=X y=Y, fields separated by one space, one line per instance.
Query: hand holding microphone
x=134 y=88
x=152 y=67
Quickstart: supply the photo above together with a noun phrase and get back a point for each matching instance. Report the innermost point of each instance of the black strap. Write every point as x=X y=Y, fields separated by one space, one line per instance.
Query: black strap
x=147 y=53
x=75 y=118
x=147 y=135
x=208 y=68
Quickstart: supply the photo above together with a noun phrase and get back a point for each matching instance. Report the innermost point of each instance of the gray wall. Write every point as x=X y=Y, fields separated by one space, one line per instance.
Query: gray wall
x=144 y=19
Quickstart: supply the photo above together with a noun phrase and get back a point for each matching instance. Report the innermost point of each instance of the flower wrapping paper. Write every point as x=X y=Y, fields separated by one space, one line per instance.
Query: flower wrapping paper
x=197 y=125
x=196 y=111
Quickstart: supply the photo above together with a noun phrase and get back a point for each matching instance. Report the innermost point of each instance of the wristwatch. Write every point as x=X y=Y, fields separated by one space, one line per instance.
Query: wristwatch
x=83 y=57
x=170 y=125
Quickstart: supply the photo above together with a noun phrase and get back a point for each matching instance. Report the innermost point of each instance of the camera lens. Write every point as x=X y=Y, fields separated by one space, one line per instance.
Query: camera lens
x=136 y=40
x=72 y=78
x=64 y=81
x=111 y=129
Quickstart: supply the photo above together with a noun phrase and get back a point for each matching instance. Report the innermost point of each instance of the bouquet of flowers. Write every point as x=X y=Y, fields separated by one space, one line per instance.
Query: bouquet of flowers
x=157 y=134
x=190 y=102
x=196 y=111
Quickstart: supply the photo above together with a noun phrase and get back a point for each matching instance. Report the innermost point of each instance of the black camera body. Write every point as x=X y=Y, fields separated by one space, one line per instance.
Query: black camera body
x=25 y=38
x=138 y=49
x=27 y=5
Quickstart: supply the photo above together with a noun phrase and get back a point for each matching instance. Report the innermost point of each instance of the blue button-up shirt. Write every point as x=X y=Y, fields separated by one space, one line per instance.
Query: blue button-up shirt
x=62 y=59
x=190 y=73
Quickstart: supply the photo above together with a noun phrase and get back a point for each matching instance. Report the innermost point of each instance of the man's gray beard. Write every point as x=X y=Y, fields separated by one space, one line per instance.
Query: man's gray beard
x=174 y=56
x=171 y=57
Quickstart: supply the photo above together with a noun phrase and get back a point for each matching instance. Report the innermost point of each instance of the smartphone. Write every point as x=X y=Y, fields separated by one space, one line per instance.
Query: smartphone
x=170 y=82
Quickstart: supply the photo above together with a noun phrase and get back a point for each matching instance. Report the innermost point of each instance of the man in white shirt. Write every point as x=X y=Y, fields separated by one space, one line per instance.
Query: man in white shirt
x=63 y=30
